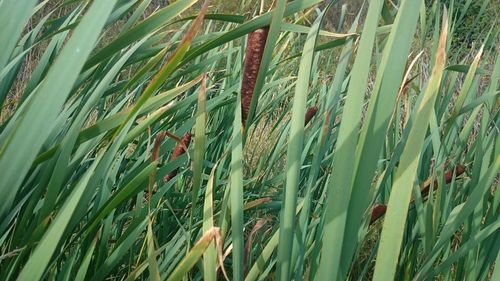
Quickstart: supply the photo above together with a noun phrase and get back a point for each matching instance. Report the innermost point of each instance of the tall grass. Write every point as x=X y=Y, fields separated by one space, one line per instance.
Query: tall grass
x=187 y=144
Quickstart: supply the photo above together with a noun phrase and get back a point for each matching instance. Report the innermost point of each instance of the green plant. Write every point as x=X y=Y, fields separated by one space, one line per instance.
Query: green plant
x=361 y=156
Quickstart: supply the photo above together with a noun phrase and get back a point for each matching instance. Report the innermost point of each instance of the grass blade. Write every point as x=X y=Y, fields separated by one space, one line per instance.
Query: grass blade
x=294 y=151
x=397 y=209
x=31 y=131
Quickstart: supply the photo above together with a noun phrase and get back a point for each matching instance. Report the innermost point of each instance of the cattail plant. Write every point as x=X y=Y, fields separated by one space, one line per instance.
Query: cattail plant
x=379 y=210
x=88 y=102
x=253 y=57
x=154 y=157
x=178 y=151
x=156 y=147
x=448 y=176
x=311 y=111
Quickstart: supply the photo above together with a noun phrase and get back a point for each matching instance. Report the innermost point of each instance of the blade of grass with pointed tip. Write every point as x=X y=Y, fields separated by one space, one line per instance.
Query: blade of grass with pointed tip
x=39 y=260
x=199 y=147
x=151 y=24
x=339 y=184
x=14 y=15
x=194 y=255
x=31 y=131
x=397 y=208
x=236 y=194
x=466 y=87
x=294 y=151
x=210 y=255
x=373 y=132
x=169 y=67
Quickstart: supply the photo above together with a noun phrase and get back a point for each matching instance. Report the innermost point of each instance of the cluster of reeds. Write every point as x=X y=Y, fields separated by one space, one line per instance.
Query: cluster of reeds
x=379 y=157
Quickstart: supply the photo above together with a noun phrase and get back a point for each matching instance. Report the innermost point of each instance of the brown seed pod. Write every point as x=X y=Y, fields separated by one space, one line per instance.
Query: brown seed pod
x=311 y=111
x=154 y=156
x=156 y=148
x=253 y=57
x=448 y=176
x=178 y=151
x=377 y=212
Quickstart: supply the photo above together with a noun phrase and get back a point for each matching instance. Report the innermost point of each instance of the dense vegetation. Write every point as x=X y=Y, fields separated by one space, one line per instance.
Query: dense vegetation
x=279 y=140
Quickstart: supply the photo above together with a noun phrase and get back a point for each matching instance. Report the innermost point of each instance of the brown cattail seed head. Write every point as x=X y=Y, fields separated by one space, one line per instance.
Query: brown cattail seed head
x=448 y=176
x=458 y=171
x=156 y=148
x=311 y=111
x=253 y=57
x=178 y=151
x=377 y=212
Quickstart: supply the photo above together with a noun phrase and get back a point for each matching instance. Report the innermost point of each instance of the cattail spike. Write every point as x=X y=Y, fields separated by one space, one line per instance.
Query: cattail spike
x=178 y=151
x=379 y=210
x=156 y=148
x=311 y=111
x=253 y=57
x=448 y=176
